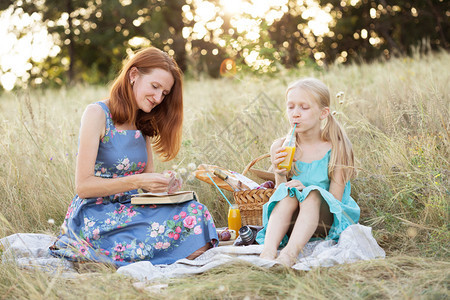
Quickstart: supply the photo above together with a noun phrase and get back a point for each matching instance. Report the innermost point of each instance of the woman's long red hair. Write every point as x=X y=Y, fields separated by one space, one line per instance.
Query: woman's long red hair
x=164 y=122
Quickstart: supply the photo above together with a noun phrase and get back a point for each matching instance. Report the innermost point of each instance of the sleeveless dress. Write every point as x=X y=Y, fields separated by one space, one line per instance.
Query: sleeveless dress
x=112 y=230
x=314 y=176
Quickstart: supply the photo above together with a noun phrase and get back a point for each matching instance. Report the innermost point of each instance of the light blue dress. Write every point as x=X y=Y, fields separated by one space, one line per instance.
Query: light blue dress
x=112 y=230
x=314 y=176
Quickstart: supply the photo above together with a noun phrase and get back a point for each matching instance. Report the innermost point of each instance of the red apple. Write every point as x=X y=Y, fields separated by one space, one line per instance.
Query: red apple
x=267 y=185
x=225 y=235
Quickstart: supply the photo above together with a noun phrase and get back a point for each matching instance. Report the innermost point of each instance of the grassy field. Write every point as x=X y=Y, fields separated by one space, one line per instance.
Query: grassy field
x=396 y=114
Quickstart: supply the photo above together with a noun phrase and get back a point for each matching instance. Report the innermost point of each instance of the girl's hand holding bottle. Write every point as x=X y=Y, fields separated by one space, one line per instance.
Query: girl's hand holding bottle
x=278 y=156
x=282 y=153
x=289 y=149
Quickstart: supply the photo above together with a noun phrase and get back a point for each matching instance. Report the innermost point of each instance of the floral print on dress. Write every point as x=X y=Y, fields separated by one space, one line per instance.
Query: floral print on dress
x=160 y=236
x=123 y=166
x=111 y=130
x=110 y=229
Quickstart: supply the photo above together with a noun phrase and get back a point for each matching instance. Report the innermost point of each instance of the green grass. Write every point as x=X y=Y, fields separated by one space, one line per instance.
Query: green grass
x=396 y=114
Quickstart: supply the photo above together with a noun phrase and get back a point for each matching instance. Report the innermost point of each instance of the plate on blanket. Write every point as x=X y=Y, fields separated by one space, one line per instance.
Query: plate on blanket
x=226 y=243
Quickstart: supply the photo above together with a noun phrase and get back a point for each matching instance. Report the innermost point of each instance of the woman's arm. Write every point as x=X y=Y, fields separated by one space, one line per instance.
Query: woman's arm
x=149 y=168
x=87 y=184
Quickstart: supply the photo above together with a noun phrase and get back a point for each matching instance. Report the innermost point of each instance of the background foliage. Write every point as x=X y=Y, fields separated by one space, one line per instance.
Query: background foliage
x=93 y=36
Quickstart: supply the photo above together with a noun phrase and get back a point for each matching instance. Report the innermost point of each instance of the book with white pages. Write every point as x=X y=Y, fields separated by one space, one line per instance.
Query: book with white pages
x=163 y=198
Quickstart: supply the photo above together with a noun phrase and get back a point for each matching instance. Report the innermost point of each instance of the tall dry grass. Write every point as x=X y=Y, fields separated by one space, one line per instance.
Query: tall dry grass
x=396 y=114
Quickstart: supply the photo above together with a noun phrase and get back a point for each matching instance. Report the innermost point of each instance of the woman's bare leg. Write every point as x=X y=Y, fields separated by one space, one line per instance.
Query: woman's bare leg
x=305 y=226
x=278 y=225
x=199 y=251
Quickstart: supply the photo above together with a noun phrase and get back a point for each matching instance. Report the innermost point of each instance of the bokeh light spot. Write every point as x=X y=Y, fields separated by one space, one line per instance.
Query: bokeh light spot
x=228 y=67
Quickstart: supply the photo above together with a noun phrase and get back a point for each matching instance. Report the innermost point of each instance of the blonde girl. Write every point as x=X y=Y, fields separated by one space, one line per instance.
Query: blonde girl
x=313 y=199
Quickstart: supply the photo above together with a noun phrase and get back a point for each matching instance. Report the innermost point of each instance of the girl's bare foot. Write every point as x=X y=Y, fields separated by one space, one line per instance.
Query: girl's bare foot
x=287 y=260
x=265 y=254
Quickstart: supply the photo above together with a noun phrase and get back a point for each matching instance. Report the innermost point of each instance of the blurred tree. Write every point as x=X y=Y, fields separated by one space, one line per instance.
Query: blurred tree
x=110 y=30
x=371 y=28
x=290 y=38
x=96 y=35
x=172 y=11
x=52 y=11
x=205 y=53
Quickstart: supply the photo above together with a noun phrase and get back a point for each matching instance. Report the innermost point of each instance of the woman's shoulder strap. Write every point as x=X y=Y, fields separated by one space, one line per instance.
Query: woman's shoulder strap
x=107 y=113
x=103 y=106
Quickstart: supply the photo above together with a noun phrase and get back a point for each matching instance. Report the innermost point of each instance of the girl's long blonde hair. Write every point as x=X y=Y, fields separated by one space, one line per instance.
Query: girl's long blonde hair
x=333 y=132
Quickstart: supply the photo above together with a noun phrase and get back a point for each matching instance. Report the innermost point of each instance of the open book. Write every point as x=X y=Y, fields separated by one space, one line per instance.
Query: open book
x=162 y=198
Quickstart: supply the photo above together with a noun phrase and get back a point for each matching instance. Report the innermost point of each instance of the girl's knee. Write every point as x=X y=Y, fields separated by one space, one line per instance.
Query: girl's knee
x=291 y=202
x=287 y=205
x=313 y=198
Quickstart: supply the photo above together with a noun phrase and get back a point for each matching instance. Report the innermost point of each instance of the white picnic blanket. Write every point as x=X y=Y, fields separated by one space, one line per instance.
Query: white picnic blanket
x=355 y=243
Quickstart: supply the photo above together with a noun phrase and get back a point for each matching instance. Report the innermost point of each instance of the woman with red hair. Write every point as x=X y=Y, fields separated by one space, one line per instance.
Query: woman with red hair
x=144 y=112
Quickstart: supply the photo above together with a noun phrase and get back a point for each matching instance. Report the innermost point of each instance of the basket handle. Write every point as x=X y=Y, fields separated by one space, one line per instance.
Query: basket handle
x=254 y=162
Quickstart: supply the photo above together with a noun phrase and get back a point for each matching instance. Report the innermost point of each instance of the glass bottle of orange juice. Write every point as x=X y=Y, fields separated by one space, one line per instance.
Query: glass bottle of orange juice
x=234 y=219
x=289 y=144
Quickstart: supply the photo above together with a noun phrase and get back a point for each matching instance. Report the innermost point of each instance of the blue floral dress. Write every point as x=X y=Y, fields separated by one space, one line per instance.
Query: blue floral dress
x=314 y=176
x=112 y=230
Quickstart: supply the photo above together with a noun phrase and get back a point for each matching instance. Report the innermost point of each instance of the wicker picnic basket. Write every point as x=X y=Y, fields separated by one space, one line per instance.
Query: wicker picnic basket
x=251 y=202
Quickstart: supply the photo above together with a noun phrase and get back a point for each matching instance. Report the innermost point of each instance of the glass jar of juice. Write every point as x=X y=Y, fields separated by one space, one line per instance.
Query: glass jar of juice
x=287 y=162
x=234 y=218
x=289 y=145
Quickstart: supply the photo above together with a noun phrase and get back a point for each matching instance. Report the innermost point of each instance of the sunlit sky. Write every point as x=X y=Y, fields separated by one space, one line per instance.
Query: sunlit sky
x=17 y=55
